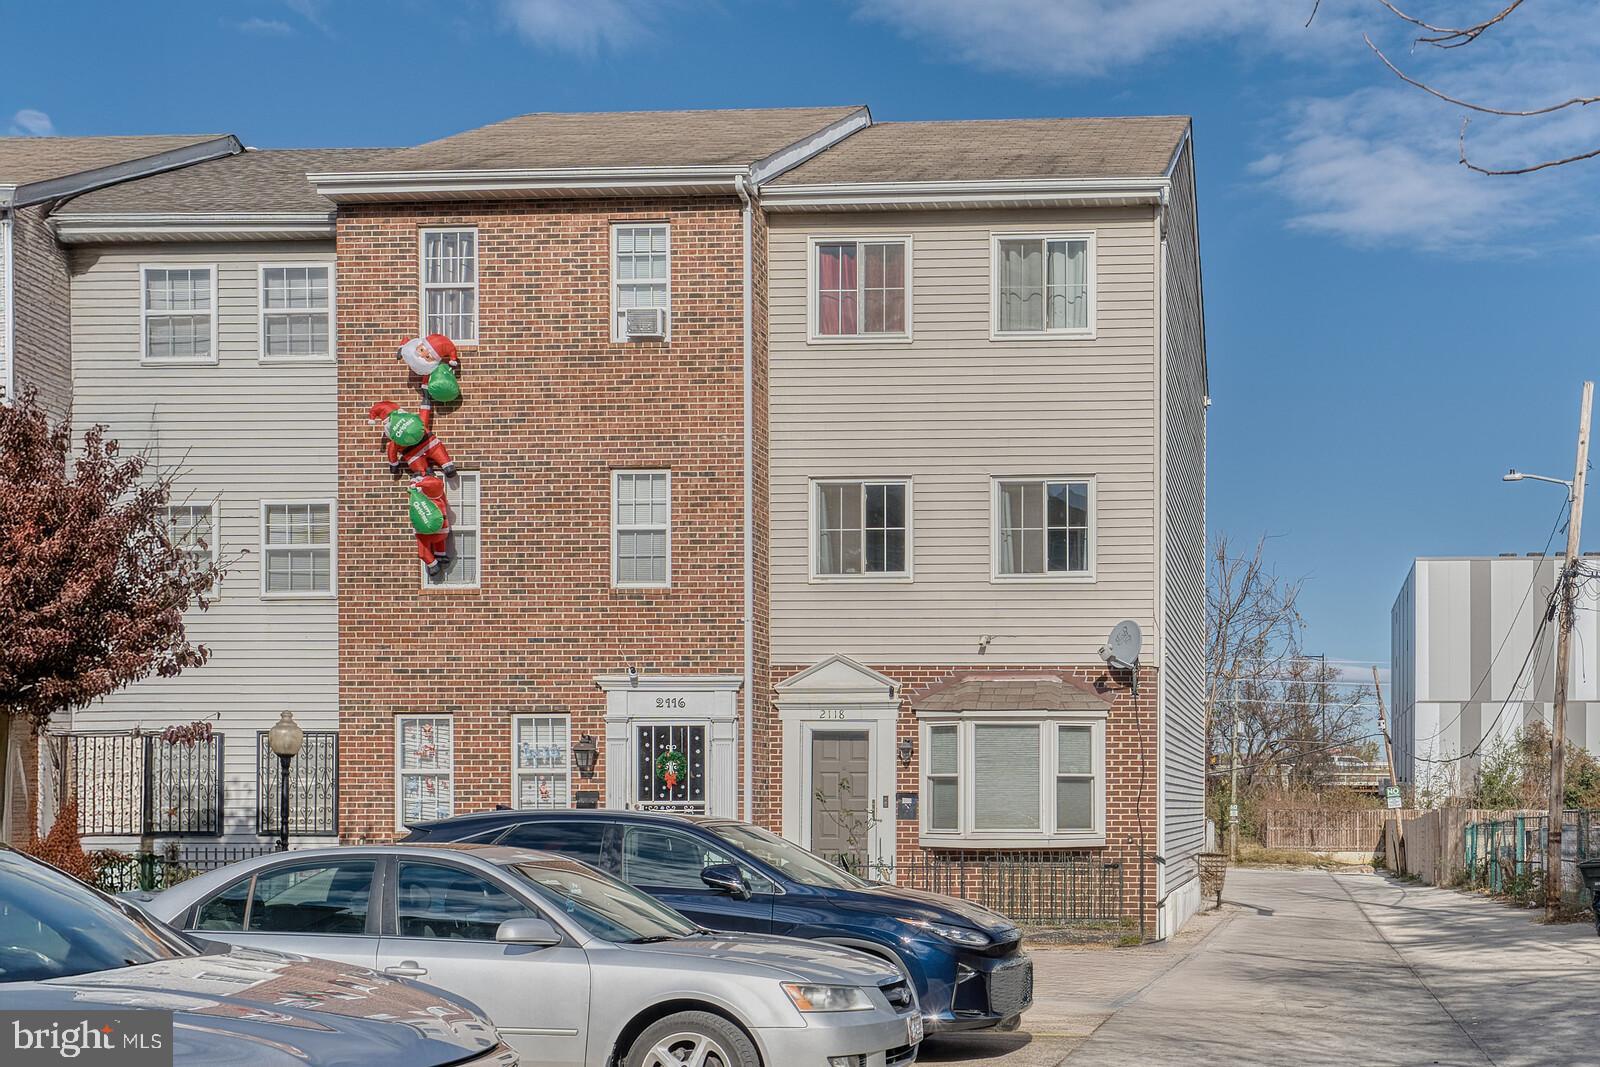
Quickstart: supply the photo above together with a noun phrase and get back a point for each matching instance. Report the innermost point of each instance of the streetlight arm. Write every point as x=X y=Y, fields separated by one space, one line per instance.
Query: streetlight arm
x=1519 y=476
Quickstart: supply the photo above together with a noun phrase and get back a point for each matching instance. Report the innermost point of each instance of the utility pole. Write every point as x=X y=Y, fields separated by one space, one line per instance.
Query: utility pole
x=1388 y=753
x=1233 y=792
x=1567 y=593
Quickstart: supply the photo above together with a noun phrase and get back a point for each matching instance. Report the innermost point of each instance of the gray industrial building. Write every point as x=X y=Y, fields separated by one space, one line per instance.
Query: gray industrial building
x=1470 y=663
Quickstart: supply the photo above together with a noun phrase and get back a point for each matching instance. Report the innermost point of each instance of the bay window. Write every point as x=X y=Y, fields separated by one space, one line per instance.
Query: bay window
x=1013 y=779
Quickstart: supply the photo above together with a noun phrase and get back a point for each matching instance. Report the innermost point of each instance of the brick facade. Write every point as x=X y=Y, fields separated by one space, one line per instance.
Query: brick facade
x=1132 y=782
x=550 y=407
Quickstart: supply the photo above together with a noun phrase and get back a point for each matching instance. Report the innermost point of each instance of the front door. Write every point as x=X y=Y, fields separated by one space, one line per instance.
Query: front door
x=444 y=924
x=841 y=802
x=670 y=768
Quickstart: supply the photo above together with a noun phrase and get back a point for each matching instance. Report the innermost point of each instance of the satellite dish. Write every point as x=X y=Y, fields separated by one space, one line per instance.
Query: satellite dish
x=1121 y=649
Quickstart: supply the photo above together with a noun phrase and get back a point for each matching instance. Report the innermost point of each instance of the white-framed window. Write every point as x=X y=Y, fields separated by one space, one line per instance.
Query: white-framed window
x=178 y=313
x=296 y=312
x=193 y=528
x=463 y=495
x=424 y=762
x=1043 y=285
x=641 y=271
x=861 y=528
x=1044 y=528
x=641 y=529
x=541 y=761
x=297 y=548
x=1014 y=779
x=449 y=259
x=860 y=289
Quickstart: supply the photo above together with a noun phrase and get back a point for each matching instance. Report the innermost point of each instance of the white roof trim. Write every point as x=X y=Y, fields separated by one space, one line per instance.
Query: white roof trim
x=88 y=227
x=1001 y=192
x=786 y=159
x=450 y=184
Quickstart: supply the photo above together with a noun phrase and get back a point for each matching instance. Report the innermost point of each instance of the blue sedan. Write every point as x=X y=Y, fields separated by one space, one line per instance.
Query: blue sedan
x=965 y=961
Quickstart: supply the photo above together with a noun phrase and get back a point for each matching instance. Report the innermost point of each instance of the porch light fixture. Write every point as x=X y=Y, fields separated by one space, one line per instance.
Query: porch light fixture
x=585 y=754
x=285 y=739
x=905 y=750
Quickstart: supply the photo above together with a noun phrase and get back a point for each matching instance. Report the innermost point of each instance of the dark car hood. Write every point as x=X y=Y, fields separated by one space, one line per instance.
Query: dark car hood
x=257 y=1008
x=903 y=903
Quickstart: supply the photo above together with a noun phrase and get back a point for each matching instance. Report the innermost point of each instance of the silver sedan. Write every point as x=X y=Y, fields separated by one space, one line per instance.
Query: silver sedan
x=575 y=968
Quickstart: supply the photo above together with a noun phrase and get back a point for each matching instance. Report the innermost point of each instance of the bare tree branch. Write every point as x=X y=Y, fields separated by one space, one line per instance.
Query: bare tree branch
x=1448 y=36
x=1577 y=101
x=1531 y=168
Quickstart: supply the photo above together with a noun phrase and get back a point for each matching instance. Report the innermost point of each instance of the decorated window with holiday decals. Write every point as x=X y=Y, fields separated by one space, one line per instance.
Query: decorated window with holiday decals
x=425 y=768
x=671 y=771
x=541 y=761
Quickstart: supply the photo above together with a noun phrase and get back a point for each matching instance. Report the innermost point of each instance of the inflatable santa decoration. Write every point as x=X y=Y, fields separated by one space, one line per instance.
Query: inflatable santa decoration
x=430 y=519
x=436 y=361
x=409 y=440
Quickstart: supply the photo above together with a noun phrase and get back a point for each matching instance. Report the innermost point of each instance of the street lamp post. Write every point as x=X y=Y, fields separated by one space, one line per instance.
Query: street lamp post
x=285 y=739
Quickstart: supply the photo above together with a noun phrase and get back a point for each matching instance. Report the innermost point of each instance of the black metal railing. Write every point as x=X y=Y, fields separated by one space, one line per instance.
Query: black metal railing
x=121 y=872
x=130 y=785
x=1048 y=892
x=313 y=786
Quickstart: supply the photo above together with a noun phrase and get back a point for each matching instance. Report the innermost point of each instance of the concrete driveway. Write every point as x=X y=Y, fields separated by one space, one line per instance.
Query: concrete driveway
x=1312 y=967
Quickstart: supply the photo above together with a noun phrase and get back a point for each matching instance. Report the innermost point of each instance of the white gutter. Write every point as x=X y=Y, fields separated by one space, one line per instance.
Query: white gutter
x=8 y=377
x=1163 y=601
x=76 y=227
x=964 y=193
x=743 y=188
x=519 y=182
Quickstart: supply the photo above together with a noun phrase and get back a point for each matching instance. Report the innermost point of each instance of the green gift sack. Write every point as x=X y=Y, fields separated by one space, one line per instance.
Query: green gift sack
x=426 y=518
x=404 y=428
x=442 y=385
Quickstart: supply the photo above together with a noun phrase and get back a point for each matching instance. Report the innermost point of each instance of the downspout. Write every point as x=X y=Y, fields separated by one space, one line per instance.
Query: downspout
x=742 y=186
x=8 y=380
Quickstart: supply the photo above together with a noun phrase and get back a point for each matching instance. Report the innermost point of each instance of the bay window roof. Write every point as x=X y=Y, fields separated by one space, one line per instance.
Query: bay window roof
x=1029 y=691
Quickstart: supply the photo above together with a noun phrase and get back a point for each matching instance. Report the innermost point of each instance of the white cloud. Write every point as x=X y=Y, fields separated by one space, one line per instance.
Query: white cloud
x=1351 y=150
x=266 y=27
x=31 y=123
x=580 y=26
x=1089 y=38
x=311 y=11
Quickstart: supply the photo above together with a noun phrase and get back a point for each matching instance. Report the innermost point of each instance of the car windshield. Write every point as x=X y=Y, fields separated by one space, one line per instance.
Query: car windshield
x=793 y=861
x=53 y=926
x=603 y=906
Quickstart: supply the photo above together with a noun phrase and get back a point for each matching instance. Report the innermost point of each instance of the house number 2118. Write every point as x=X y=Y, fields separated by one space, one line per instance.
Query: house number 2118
x=833 y=714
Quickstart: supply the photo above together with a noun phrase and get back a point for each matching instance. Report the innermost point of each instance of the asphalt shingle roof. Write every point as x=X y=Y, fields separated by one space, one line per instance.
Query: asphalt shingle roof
x=618 y=139
x=264 y=180
x=997 y=149
x=1019 y=691
x=35 y=159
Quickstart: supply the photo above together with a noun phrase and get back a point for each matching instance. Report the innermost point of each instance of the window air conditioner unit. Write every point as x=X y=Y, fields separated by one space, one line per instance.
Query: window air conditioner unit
x=644 y=322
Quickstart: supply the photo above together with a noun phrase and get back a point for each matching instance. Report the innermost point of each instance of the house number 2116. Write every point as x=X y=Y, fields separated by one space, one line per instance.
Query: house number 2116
x=673 y=703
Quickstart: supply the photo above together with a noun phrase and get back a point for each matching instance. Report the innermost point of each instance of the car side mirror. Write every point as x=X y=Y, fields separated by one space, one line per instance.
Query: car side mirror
x=528 y=931
x=726 y=878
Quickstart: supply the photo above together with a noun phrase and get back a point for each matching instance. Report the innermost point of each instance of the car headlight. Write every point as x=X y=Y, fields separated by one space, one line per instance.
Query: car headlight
x=959 y=935
x=809 y=998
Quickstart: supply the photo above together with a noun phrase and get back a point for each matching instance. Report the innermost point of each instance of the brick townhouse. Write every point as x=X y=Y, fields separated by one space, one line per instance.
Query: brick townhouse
x=849 y=582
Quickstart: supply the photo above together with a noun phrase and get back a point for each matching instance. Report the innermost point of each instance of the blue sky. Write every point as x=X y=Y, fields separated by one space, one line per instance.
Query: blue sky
x=1388 y=332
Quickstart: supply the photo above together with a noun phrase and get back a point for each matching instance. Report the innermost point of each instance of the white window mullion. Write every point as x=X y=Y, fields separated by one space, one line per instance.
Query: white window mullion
x=641 y=529
x=541 y=761
x=424 y=768
x=449 y=283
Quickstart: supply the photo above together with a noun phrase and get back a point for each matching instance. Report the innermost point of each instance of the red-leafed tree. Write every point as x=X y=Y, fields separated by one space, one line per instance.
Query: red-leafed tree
x=93 y=584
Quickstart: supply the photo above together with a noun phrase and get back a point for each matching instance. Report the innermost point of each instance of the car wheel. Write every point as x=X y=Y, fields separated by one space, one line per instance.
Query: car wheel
x=696 y=1037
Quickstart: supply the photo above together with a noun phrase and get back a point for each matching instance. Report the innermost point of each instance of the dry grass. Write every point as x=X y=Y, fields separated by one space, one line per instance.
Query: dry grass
x=1252 y=854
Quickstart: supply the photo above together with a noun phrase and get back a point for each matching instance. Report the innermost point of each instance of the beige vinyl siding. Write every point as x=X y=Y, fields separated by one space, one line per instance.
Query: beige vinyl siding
x=42 y=316
x=949 y=410
x=1184 y=529
x=5 y=292
x=246 y=431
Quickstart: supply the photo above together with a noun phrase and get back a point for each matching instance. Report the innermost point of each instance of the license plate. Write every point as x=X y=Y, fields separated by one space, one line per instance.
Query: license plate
x=914 y=1030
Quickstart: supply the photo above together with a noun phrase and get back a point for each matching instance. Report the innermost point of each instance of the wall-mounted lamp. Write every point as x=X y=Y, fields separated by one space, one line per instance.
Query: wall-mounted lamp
x=585 y=754
x=905 y=750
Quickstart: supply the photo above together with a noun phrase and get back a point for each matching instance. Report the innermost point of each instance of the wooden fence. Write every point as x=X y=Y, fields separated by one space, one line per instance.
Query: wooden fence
x=1318 y=830
x=1435 y=842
